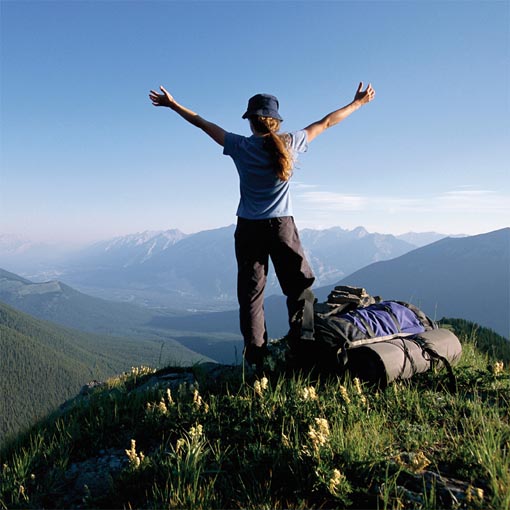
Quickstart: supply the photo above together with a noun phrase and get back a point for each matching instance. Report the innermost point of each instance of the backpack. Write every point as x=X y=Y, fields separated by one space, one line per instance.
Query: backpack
x=377 y=341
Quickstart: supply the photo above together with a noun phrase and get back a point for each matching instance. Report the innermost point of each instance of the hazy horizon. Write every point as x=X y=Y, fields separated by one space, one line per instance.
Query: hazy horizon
x=65 y=243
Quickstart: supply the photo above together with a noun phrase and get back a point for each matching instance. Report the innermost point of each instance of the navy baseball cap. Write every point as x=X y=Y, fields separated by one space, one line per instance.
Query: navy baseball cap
x=263 y=105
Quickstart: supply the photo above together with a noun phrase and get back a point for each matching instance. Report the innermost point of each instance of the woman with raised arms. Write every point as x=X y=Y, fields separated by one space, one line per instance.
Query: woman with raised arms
x=265 y=225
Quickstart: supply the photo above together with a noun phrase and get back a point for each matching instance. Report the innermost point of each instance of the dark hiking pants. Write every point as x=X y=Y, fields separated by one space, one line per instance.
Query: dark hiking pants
x=255 y=242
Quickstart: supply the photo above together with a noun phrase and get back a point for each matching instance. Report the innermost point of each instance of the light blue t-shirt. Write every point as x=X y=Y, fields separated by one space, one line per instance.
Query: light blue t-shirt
x=263 y=194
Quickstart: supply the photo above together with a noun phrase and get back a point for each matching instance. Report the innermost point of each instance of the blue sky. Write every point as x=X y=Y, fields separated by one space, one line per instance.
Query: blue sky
x=85 y=155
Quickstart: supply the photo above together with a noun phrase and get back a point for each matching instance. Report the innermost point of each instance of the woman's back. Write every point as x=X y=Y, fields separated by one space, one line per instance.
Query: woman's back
x=263 y=194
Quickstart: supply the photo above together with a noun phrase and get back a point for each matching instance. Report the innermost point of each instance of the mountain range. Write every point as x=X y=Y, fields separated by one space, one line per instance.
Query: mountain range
x=173 y=270
x=464 y=277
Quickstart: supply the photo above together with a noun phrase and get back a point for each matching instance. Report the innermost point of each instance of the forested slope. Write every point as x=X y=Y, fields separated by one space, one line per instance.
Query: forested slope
x=43 y=364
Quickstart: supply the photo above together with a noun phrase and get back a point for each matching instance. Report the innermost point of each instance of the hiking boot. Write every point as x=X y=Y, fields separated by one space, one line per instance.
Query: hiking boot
x=255 y=355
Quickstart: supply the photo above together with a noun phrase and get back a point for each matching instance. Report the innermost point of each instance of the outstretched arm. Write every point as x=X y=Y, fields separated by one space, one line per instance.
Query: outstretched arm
x=166 y=99
x=362 y=97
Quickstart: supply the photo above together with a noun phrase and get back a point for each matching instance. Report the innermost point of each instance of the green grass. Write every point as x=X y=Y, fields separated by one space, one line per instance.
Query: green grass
x=283 y=442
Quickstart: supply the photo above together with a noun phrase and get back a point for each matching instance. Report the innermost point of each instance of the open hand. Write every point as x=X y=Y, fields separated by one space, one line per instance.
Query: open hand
x=364 y=96
x=165 y=99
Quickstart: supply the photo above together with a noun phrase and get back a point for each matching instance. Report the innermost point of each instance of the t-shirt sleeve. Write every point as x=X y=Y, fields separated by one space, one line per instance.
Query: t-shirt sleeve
x=299 y=141
x=231 y=144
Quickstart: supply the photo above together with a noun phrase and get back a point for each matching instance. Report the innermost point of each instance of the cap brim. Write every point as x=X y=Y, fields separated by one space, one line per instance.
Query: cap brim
x=262 y=113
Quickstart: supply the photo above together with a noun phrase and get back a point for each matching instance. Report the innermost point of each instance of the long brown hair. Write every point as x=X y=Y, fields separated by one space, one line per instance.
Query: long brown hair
x=277 y=145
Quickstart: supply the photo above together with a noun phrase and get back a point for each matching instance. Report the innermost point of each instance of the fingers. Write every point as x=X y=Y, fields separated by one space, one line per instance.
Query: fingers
x=155 y=98
x=370 y=92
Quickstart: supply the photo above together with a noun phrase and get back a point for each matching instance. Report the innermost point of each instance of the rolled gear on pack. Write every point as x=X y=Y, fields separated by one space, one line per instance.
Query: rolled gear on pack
x=386 y=360
x=377 y=341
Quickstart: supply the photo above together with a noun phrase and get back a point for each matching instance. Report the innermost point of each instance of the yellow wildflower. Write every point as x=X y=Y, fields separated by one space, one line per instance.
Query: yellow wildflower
x=260 y=386
x=359 y=390
x=196 y=432
x=474 y=494
x=169 y=396
x=323 y=425
x=413 y=461
x=497 y=368
x=180 y=444
x=319 y=434
x=135 y=459
x=344 y=394
x=142 y=370
x=309 y=393
x=419 y=461
x=161 y=407
x=336 y=479
x=197 y=399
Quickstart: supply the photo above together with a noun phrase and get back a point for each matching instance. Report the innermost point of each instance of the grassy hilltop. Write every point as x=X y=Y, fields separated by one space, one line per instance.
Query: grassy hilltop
x=286 y=441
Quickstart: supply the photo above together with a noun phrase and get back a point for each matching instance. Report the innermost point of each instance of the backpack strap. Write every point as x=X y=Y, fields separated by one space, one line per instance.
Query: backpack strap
x=366 y=325
x=366 y=341
x=452 y=380
x=307 y=326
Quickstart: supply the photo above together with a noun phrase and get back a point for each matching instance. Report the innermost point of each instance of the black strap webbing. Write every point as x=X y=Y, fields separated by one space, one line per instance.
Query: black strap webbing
x=452 y=380
x=307 y=326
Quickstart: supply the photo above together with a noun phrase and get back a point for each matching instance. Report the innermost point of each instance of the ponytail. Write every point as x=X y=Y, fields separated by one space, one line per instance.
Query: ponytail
x=277 y=145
